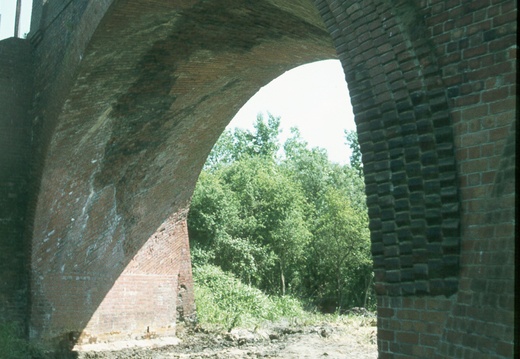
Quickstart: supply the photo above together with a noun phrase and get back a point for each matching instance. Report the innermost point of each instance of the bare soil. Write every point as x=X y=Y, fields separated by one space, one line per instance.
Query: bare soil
x=354 y=337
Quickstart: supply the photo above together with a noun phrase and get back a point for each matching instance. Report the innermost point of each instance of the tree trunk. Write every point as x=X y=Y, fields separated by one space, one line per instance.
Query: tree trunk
x=368 y=288
x=340 y=290
x=282 y=277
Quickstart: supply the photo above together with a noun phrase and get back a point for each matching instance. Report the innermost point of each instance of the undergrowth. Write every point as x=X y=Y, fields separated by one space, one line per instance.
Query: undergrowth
x=224 y=302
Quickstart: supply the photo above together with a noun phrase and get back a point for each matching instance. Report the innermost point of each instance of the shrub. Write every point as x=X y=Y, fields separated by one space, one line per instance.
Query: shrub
x=223 y=300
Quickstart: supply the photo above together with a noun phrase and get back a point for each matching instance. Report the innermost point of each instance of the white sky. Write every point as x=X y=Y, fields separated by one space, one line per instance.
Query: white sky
x=313 y=97
x=7 y=14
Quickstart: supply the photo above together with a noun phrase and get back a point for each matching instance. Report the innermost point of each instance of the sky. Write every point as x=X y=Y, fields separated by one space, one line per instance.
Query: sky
x=7 y=15
x=313 y=97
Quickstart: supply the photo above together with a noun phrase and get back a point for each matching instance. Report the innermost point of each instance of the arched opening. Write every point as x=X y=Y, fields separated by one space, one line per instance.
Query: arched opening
x=276 y=222
x=288 y=152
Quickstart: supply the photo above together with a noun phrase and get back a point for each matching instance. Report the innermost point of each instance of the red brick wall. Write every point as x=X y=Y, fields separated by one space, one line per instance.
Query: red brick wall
x=411 y=326
x=484 y=111
x=109 y=301
x=153 y=289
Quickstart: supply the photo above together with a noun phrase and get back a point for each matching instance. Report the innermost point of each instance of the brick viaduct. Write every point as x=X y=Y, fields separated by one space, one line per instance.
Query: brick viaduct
x=110 y=107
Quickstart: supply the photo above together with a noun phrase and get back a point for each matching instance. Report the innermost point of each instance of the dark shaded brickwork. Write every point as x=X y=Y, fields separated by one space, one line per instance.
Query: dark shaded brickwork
x=130 y=97
x=15 y=150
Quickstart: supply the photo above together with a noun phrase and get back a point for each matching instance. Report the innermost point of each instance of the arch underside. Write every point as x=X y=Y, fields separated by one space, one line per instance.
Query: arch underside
x=154 y=89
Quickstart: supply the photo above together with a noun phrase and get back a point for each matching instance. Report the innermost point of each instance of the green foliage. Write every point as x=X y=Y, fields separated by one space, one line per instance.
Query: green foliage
x=234 y=145
x=310 y=168
x=243 y=258
x=264 y=142
x=293 y=224
x=355 y=158
x=251 y=216
x=223 y=299
x=341 y=249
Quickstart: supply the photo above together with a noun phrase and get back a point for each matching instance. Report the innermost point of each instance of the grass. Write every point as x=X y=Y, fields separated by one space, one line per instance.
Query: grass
x=224 y=302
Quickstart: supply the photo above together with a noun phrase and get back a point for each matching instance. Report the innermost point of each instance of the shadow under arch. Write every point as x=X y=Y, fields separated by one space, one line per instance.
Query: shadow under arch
x=154 y=89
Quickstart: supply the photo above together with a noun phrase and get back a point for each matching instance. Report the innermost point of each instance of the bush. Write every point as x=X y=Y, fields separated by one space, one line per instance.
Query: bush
x=225 y=301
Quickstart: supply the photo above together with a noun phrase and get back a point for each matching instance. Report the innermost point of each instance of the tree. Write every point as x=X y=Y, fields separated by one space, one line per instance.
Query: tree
x=260 y=231
x=341 y=246
x=309 y=167
x=277 y=207
x=338 y=220
x=355 y=157
x=264 y=142
x=234 y=145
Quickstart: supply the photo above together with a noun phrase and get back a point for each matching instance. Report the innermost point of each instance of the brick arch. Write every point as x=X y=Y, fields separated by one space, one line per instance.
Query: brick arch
x=432 y=86
x=154 y=88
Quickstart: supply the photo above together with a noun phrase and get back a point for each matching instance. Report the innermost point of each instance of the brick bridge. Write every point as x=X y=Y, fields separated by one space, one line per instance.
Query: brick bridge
x=110 y=107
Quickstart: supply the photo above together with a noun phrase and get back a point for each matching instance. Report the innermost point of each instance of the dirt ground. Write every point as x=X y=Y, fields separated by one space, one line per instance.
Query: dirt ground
x=352 y=338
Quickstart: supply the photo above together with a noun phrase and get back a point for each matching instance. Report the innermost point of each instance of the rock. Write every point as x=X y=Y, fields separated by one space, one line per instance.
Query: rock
x=263 y=334
x=274 y=336
x=242 y=336
x=326 y=332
